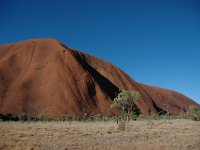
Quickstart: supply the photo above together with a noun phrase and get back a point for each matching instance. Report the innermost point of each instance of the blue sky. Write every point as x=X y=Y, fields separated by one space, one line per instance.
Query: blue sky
x=156 y=42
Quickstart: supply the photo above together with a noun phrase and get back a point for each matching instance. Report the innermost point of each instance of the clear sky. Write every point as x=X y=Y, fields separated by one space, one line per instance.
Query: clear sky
x=156 y=42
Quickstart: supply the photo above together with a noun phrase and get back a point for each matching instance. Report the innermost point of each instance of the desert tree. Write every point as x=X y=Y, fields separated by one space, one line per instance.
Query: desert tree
x=125 y=101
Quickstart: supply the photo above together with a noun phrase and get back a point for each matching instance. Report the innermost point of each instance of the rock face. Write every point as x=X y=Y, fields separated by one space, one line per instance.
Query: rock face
x=43 y=76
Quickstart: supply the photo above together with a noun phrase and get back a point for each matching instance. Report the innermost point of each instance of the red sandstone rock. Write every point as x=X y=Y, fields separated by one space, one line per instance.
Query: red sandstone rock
x=42 y=76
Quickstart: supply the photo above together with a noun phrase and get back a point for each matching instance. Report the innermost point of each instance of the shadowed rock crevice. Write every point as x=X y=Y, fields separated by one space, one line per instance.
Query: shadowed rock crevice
x=72 y=83
x=108 y=87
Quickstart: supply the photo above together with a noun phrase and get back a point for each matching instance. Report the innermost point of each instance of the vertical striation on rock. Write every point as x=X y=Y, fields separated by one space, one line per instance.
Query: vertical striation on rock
x=43 y=76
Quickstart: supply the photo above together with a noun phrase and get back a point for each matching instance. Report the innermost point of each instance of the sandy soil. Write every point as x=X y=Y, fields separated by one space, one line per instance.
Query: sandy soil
x=139 y=135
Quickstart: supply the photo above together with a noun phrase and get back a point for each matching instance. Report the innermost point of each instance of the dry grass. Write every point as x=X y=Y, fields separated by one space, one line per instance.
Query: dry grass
x=139 y=135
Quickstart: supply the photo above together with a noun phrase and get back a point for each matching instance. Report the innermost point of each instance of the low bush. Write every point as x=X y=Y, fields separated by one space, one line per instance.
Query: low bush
x=194 y=112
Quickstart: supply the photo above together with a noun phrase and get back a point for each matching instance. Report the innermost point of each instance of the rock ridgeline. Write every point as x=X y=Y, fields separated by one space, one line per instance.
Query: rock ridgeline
x=43 y=76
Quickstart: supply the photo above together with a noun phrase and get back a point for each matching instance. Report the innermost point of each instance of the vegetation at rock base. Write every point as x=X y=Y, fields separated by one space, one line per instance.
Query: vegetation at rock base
x=194 y=112
x=125 y=101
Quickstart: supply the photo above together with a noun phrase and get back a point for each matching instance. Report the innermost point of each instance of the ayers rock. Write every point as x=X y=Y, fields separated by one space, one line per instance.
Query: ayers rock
x=46 y=77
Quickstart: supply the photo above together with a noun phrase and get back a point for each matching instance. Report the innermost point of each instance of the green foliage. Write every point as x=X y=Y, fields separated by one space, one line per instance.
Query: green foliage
x=133 y=116
x=125 y=101
x=23 y=117
x=194 y=112
x=97 y=117
x=63 y=118
x=69 y=119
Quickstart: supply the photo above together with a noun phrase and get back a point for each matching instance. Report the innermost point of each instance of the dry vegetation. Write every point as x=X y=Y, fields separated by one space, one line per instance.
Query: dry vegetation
x=178 y=134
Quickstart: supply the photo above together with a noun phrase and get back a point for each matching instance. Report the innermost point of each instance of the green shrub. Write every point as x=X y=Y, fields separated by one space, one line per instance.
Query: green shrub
x=23 y=117
x=69 y=119
x=63 y=118
x=105 y=118
x=125 y=102
x=42 y=118
x=97 y=117
x=134 y=116
x=194 y=112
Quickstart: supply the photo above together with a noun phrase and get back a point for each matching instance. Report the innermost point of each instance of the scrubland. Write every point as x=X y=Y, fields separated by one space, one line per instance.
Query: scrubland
x=177 y=134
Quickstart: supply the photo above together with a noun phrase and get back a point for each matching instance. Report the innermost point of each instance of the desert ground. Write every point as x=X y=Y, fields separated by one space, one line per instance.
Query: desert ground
x=179 y=134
